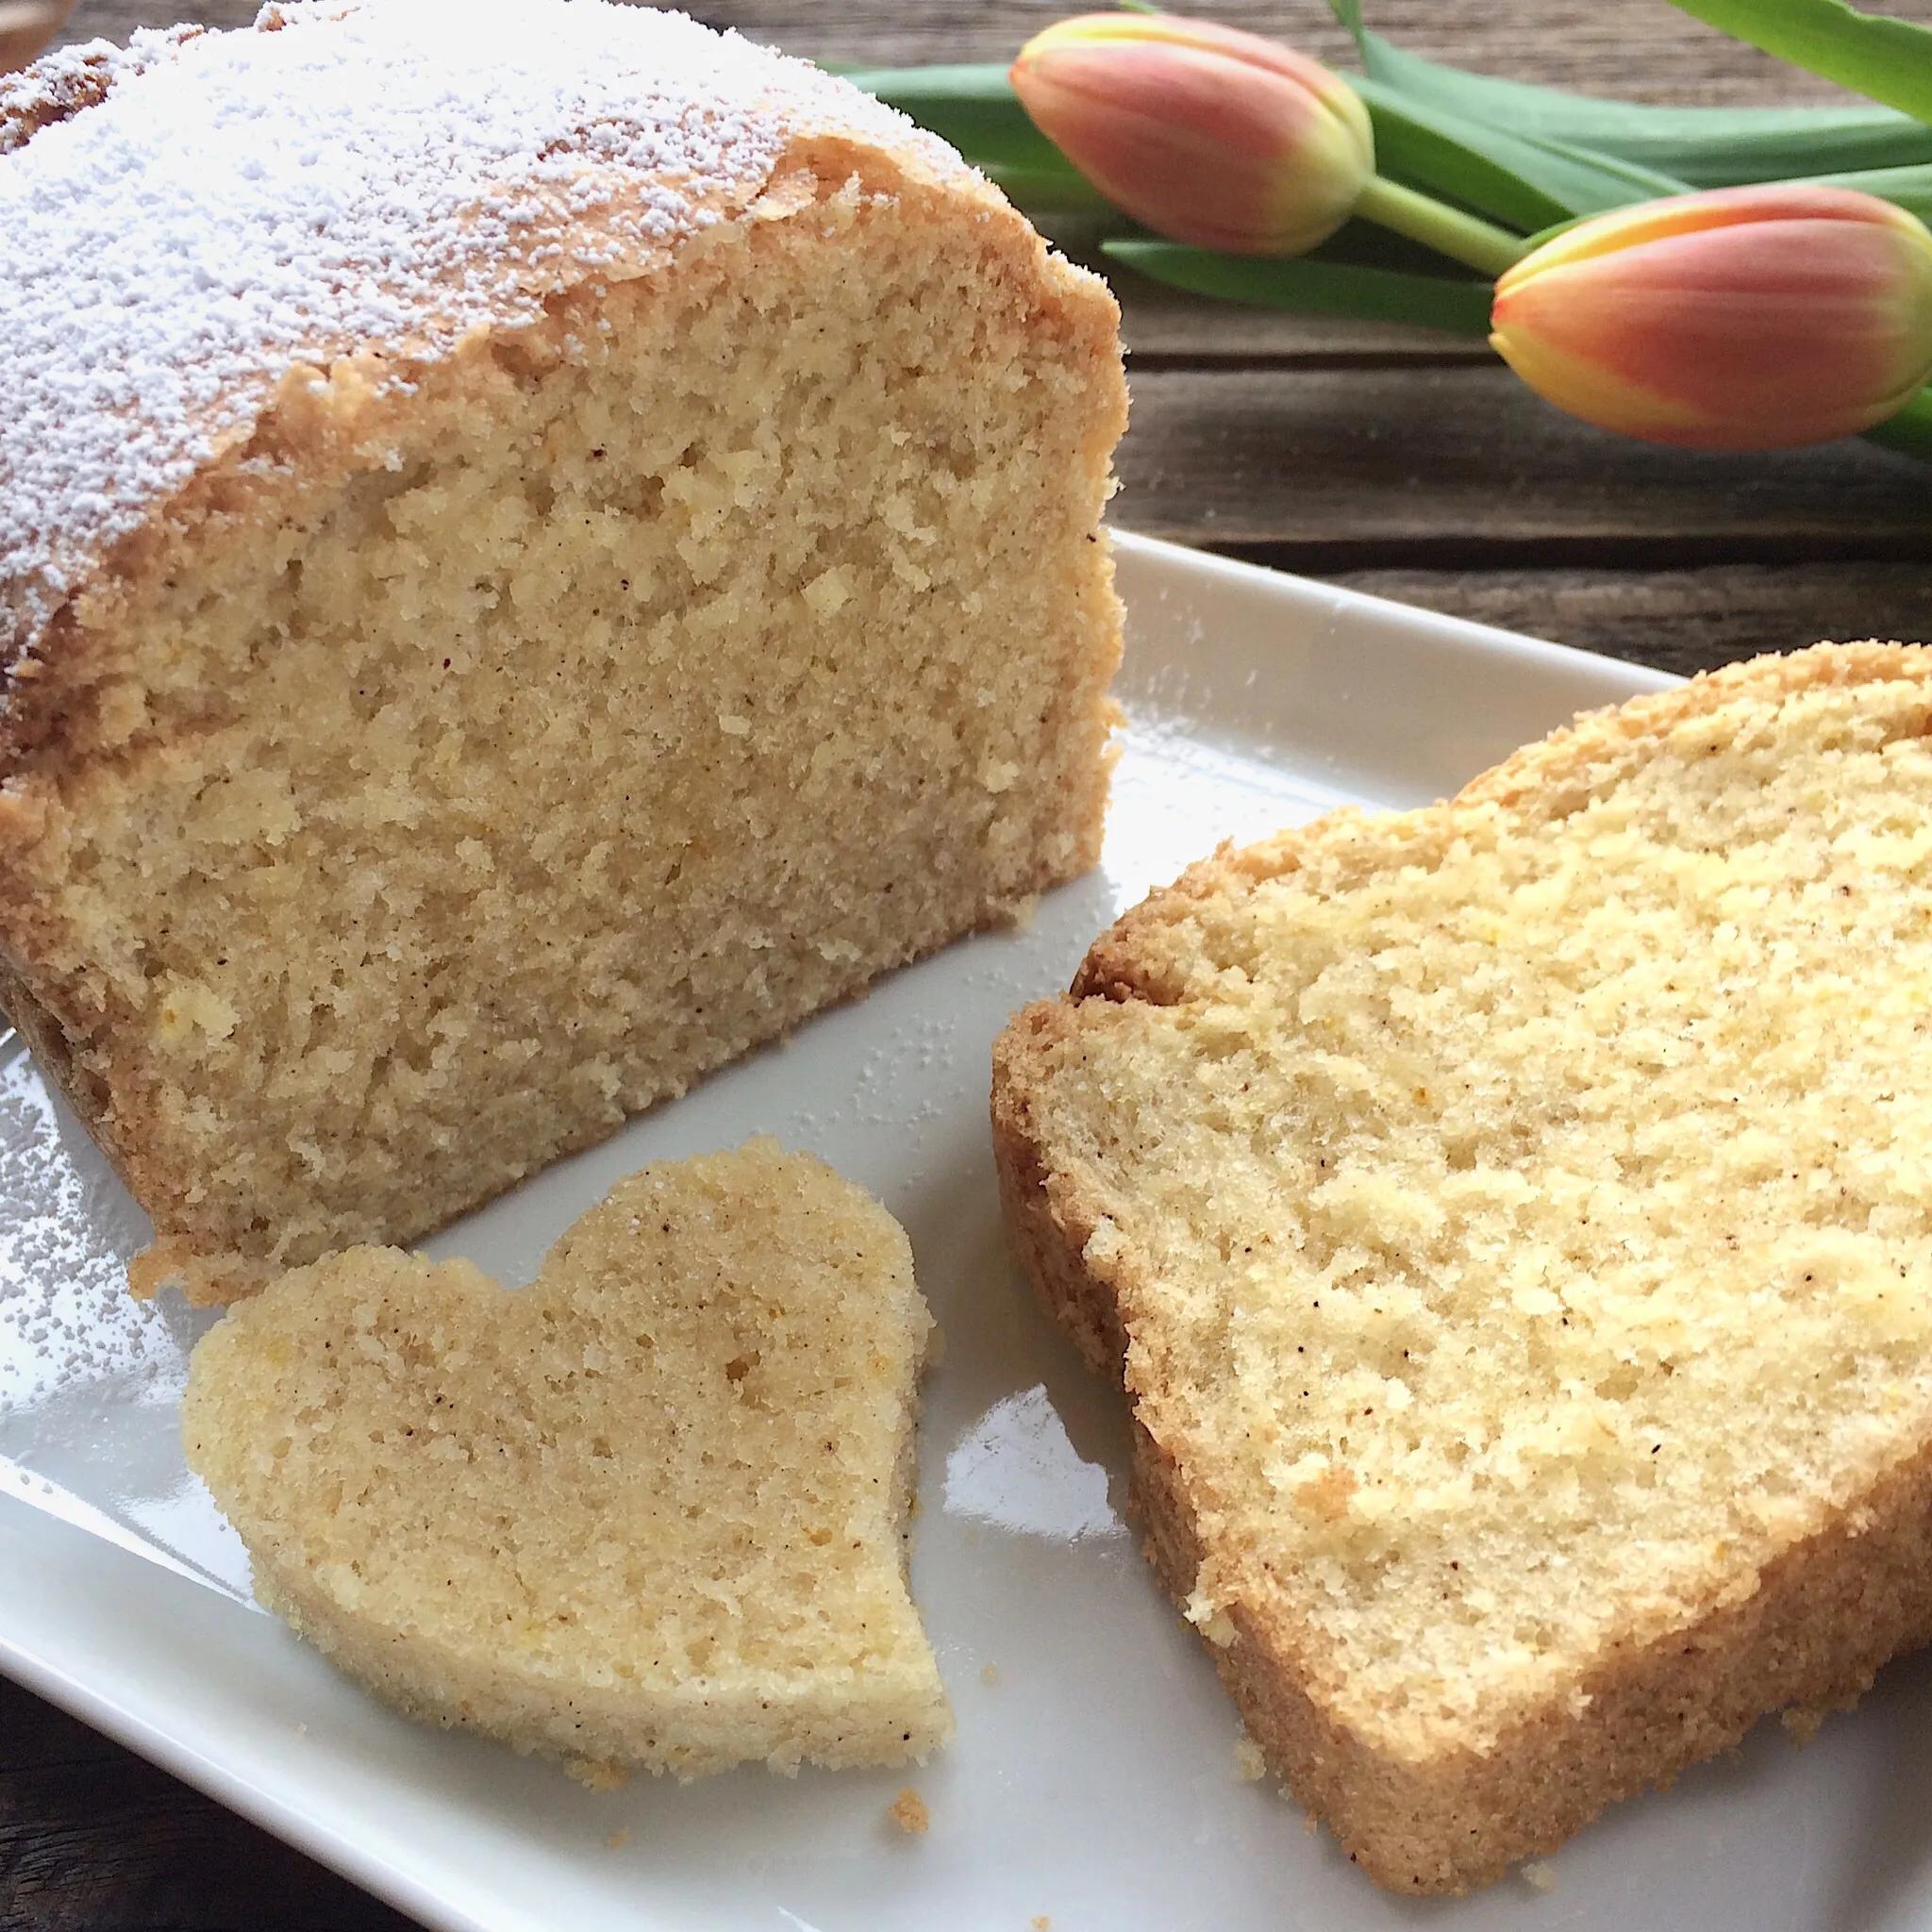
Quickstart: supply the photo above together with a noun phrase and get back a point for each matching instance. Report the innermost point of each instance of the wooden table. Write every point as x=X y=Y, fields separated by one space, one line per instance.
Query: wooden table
x=1381 y=457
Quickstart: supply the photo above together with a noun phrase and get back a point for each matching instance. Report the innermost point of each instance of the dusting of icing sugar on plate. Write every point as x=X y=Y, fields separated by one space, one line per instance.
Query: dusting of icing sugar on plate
x=66 y=1229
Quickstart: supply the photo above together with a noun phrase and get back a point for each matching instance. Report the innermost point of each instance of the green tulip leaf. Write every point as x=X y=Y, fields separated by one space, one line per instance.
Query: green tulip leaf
x=1911 y=430
x=1441 y=154
x=1910 y=188
x=1527 y=183
x=1889 y=60
x=971 y=105
x=1707 y=147
x=1310 y=287
x=1594 y=173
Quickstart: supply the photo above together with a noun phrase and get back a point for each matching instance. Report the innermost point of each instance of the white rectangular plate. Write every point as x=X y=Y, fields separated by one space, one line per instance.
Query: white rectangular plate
x=1093 y=1781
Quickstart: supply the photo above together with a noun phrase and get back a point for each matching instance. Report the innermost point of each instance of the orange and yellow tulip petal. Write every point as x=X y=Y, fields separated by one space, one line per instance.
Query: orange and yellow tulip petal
x=1751 y=318
x=1202 y=133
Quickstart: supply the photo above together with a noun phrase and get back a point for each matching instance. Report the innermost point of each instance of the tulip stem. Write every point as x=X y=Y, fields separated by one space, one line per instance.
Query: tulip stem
x=1911 y=430
x=1436 y=224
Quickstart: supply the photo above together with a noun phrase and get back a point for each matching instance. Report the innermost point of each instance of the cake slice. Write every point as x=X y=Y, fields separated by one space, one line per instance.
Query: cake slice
x=541 y=545
x=649 y=1511
x=1511 y=1223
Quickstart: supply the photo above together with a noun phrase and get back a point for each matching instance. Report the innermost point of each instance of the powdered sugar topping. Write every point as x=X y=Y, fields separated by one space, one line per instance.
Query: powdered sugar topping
x=65 y=81
x=380 y=174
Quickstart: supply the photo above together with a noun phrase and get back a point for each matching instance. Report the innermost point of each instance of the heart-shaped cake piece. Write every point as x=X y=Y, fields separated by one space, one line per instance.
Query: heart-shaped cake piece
x=649 y=1511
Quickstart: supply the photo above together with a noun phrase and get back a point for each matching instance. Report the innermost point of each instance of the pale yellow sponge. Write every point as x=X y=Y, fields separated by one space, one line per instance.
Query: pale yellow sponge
x=1512 y=1221
x=477 y=656
x=649 y=1511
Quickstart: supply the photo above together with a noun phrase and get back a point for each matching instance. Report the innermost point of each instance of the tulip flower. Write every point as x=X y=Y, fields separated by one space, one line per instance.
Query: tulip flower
x=1204 y=133
x=1747 y=318
x=1221 y=138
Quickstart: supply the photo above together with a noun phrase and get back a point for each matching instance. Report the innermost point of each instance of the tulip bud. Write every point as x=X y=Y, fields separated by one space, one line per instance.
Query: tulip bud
x=1746 y=318
x=1204 y=133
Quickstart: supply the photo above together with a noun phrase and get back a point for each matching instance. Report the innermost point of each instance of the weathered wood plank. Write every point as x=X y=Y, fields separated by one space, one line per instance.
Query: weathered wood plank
x=1162 y=328
x=1683 y=620
x=1360 y=468
x=94 y=1839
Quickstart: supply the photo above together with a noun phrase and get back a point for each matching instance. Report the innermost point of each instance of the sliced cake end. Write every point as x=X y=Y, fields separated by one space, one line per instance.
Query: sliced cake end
x=1510 y=1223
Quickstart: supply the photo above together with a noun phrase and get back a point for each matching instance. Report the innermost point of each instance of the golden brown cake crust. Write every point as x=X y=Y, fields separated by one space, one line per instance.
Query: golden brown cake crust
x=1826 y=1613
x=643 y=130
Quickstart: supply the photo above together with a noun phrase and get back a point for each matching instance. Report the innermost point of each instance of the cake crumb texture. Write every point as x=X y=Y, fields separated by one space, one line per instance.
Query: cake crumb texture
x=649 y=1511
x=562 y=634
x=1511 y=1220
x=909 y=1813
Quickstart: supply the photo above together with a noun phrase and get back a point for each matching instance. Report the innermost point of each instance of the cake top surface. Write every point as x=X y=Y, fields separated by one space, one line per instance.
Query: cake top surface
x=185 y=219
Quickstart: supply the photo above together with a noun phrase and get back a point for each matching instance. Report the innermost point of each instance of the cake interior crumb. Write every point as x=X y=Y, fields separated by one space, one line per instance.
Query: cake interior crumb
x=1801 y=1723
x=640 y=706
x=1533 y=1180
x=648 y=1511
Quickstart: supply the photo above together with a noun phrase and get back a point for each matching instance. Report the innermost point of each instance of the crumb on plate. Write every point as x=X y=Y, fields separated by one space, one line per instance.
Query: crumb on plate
x=1801 y=1723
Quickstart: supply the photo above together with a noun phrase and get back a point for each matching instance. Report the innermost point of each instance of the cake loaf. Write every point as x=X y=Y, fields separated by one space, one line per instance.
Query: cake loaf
x=1511 y=1222
x=540 y=546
